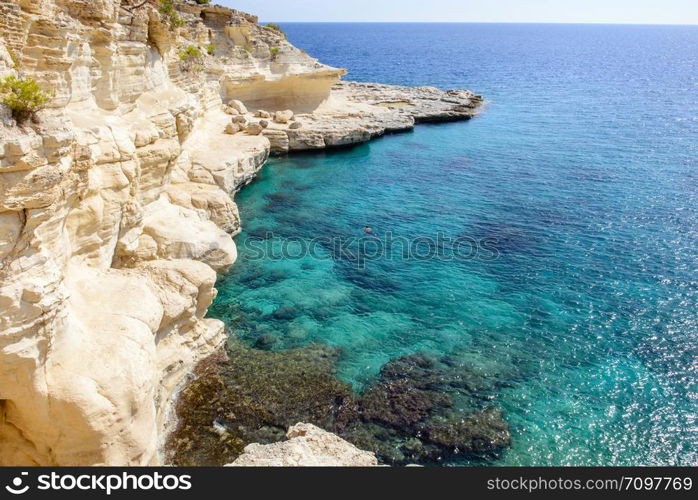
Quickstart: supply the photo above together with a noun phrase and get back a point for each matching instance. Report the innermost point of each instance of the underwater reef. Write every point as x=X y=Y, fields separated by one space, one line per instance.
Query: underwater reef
x=420 y=410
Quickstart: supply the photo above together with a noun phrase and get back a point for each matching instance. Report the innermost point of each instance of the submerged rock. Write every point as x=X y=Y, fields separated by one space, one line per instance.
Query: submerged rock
x=255 y=396
x=266 y=341
x=409 y=414
x=250 y=396
x=286 y=313
x=483 y=431
x=401 y=404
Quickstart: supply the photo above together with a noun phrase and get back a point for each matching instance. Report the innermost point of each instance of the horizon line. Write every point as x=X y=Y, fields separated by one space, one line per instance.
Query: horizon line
x=568 y=23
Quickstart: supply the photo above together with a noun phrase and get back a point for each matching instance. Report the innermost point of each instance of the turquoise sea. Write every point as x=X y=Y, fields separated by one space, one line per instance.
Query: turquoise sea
x=582 y=172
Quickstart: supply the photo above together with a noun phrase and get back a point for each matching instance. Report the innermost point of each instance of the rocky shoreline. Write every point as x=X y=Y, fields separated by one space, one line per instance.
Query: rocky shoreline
x=354 y=113
x=120 y=193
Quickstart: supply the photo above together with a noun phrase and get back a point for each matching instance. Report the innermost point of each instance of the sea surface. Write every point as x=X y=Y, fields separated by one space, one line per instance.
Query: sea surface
x=582 y=173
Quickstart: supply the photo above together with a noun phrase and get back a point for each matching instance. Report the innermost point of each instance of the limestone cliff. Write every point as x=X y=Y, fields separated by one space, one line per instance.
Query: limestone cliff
x=116 y=206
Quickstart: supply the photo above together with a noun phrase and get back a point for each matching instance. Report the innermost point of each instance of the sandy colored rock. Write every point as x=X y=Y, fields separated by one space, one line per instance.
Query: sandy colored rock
x=307 y=446
x=241 y=120
x=254 y=129
x=238 y=106
x=283 y=116
x=232 y=128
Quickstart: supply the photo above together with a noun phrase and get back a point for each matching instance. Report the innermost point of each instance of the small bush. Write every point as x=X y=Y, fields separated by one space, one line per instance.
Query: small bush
x=169 y=10
x=276 y=27
x=203 y=2
x=274 y=50
x=191 y=58
x=24 y=97
x=211 y=49
x=189 y=53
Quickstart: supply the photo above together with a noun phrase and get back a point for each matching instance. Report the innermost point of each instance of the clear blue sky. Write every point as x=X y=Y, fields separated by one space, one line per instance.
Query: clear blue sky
x=541 y=11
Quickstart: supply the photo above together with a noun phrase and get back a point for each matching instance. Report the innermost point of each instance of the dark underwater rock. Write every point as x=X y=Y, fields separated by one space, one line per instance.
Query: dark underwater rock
x=285 y=313
x=401 y=404
x=480 y=432
x=266 y=341
x=249 y=396
x=407 y=416
x=413 y=398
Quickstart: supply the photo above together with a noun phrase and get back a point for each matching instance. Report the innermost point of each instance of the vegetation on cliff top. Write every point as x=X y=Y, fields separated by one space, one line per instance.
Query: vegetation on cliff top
x=191 y=58
x=276 y=27
x=169 y=10
x=23 y=96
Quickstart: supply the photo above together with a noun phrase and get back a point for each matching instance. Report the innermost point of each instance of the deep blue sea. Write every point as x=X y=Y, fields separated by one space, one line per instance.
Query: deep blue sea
x=583 y=168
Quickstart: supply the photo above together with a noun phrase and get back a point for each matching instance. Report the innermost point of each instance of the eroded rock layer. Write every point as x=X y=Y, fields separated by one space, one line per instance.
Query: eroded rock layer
x=116 y=206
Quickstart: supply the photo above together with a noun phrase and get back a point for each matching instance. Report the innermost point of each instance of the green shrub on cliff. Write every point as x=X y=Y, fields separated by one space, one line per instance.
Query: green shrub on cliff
x=23 y=96
x=191 y=58
x=203 y=2
x=276 y=27
x=168 y=9
x=211 y=49
x=190 y=53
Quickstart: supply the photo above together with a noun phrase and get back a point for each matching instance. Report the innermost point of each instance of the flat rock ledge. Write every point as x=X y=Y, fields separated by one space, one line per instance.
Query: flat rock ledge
x=307 y=446
x=424 y=104
x=355 y=113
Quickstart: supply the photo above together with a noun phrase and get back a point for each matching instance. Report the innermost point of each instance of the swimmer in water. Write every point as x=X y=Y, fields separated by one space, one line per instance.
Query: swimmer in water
x=368 y=230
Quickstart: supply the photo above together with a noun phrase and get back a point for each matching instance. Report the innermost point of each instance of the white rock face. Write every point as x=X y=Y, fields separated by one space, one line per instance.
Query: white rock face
x=116 y=207
x=307 y=446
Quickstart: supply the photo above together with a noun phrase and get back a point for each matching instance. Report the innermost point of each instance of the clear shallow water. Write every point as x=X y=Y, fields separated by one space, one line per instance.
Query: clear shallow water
x=584 y=167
